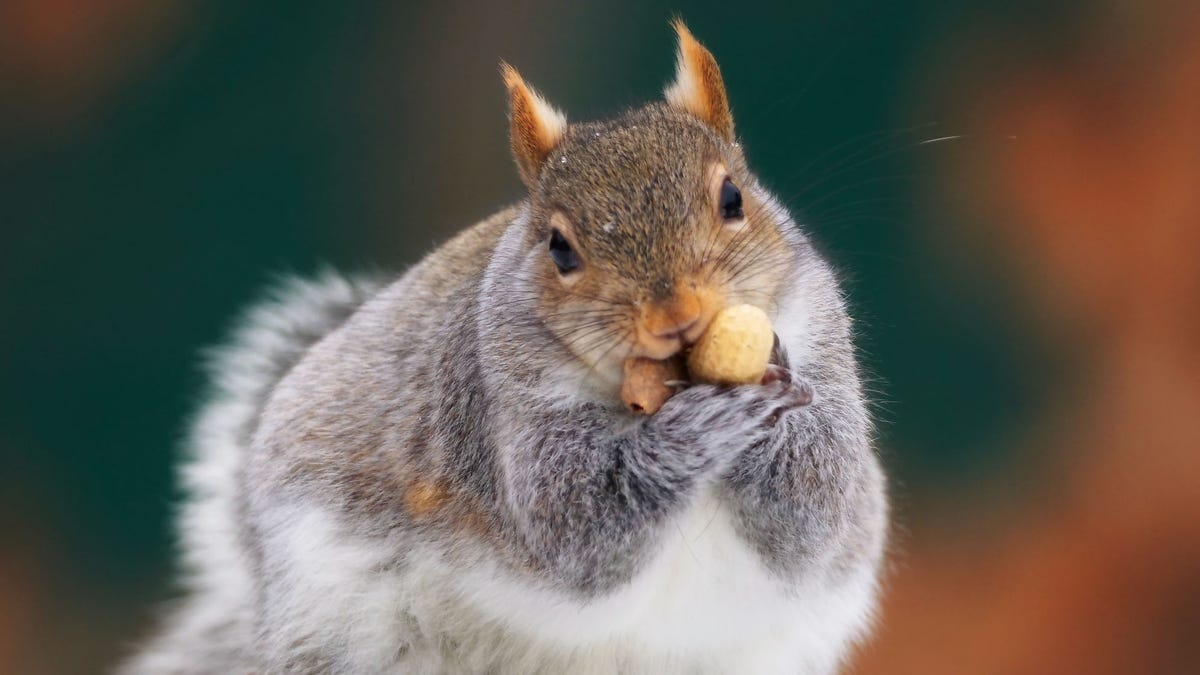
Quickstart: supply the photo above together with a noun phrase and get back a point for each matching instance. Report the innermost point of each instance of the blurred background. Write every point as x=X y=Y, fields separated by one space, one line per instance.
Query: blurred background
x=1010 y=189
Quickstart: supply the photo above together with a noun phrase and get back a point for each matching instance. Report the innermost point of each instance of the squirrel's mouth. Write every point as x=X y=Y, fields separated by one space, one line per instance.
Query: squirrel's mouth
x=662 y=349
x=664 y=346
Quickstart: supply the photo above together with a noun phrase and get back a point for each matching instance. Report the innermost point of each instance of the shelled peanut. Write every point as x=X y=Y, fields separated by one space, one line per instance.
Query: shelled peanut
x=734 y=349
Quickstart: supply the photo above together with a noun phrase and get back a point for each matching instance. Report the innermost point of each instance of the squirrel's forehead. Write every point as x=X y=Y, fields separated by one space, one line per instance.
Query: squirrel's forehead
x=622 y=196
x=638 y=142
x=645 y=170
x=625 y=167
x=666 y=142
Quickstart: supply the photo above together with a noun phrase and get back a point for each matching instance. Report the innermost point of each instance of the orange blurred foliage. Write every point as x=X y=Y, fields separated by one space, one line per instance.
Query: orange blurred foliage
x=1097 y=201
x=58 y=58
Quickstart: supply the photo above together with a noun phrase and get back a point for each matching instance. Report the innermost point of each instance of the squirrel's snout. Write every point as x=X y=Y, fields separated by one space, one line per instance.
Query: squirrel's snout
x=666 y=327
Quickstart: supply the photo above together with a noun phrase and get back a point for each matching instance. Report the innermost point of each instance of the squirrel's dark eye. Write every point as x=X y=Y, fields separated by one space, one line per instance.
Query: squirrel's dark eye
x=731 y=201
x=565 y=258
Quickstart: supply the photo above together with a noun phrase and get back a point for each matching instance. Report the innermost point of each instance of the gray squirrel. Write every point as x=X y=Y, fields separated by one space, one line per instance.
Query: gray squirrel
x=435 y=475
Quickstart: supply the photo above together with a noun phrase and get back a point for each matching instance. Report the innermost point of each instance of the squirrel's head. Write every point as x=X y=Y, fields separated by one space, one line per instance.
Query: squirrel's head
x=644 y=226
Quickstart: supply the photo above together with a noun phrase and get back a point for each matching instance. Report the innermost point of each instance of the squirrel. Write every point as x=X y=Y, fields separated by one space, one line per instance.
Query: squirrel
x=435 y=474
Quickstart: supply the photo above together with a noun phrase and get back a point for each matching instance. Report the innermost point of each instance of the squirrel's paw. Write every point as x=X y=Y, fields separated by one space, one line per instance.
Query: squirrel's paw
x=738 y=416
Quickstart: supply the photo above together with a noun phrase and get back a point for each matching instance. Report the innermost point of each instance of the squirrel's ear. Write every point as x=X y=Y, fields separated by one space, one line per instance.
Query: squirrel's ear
x=698 y=88
x=535 y=126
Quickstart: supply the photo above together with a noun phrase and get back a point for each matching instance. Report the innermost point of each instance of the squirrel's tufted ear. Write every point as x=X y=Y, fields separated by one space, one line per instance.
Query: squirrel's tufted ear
x=698 y=88
x=535 y=126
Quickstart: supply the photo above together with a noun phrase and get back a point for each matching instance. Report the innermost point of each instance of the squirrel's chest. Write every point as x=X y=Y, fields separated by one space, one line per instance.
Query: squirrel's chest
x=707 y=587
x=705 y=593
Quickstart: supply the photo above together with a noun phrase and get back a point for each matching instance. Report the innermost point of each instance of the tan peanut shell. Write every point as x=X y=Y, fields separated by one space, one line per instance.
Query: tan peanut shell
x=646 y=386
x=734 y=349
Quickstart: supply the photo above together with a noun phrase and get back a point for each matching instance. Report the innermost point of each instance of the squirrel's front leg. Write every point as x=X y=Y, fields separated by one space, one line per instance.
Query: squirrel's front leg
x=589 y=488
x=811 y=496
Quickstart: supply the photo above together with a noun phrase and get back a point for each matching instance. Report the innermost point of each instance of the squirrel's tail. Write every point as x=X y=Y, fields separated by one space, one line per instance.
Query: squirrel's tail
x=210 y=624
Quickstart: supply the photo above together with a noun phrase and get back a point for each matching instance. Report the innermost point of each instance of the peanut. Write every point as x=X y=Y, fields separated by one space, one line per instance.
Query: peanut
x=734 y=349
x=646 y=386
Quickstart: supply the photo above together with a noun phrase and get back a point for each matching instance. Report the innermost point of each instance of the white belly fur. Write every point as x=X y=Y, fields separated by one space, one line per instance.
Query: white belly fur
x=706 y=603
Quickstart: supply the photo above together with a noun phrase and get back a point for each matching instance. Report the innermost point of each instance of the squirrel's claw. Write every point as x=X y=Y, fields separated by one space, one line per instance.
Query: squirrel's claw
x=776 y=373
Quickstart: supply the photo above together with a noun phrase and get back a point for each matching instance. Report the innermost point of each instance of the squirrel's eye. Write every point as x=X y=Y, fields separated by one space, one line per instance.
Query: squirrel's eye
x=731 y=201
x=565 y=258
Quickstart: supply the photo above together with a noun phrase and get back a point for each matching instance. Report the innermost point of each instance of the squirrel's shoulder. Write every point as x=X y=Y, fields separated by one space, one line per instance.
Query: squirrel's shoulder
x=462 y=259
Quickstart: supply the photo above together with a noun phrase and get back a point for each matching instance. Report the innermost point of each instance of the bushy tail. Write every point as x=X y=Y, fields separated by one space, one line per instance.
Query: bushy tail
x=208 y=630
